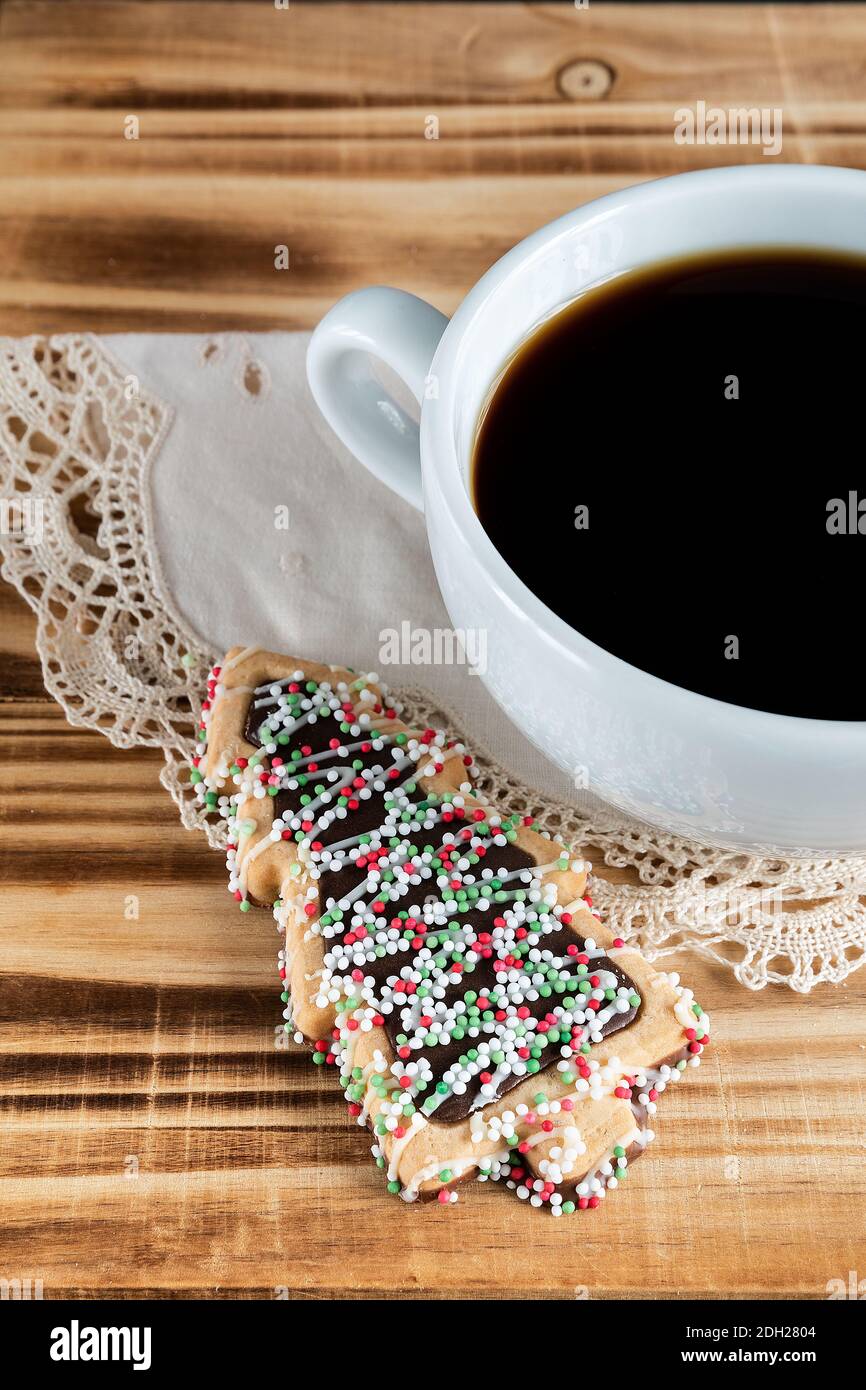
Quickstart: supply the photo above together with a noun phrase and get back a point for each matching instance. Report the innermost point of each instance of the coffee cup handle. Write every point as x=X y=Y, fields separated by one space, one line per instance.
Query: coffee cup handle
x=403 y=332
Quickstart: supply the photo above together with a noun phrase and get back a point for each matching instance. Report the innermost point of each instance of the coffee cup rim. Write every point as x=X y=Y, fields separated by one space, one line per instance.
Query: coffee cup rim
x=441 y=465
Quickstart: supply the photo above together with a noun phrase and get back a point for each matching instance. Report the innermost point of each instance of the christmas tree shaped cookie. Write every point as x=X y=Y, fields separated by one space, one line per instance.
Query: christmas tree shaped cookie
x=440 y=954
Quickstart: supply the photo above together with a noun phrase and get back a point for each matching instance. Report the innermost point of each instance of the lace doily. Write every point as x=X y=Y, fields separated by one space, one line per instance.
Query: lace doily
x=77 y=439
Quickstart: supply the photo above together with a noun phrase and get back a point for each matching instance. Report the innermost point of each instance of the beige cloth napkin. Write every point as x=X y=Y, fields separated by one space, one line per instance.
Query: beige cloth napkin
x=270 y=532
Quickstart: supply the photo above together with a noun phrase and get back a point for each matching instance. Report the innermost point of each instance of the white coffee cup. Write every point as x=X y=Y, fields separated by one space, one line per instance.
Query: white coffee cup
x=715 y=772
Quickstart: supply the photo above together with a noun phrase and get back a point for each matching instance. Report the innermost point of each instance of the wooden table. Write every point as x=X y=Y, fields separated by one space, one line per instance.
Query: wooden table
x=155 y=1140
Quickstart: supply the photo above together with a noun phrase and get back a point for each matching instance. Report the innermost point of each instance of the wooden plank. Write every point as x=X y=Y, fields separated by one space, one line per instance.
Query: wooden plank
x=306 y=128
x=157 y=1138
x=21 y=675
x=174 y=54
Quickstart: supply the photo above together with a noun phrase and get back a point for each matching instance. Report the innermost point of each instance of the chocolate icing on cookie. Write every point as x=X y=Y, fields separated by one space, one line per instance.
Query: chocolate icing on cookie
x=437 y=919
x=503 y=999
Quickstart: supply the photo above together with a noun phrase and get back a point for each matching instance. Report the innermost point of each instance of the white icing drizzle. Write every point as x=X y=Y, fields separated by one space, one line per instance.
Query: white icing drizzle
x=456 y=1166
x=241 y=656
x=398 y=1145
x=244 y=861
x=566 y=1132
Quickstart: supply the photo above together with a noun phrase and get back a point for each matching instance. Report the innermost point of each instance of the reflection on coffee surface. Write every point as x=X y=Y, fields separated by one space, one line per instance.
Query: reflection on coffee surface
x=673 y=464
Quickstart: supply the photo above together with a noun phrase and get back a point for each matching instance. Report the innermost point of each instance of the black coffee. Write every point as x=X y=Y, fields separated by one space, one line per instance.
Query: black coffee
x=675 y=465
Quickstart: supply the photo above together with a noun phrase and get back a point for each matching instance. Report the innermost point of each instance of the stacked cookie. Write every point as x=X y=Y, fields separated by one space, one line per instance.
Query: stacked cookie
x=441 y=955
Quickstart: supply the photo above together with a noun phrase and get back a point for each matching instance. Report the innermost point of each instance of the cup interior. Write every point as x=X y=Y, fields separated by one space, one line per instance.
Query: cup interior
x=725 y=209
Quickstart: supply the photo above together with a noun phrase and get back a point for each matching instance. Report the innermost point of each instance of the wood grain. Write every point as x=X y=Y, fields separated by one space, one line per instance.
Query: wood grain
x=306 y=128
x=154 y=1138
